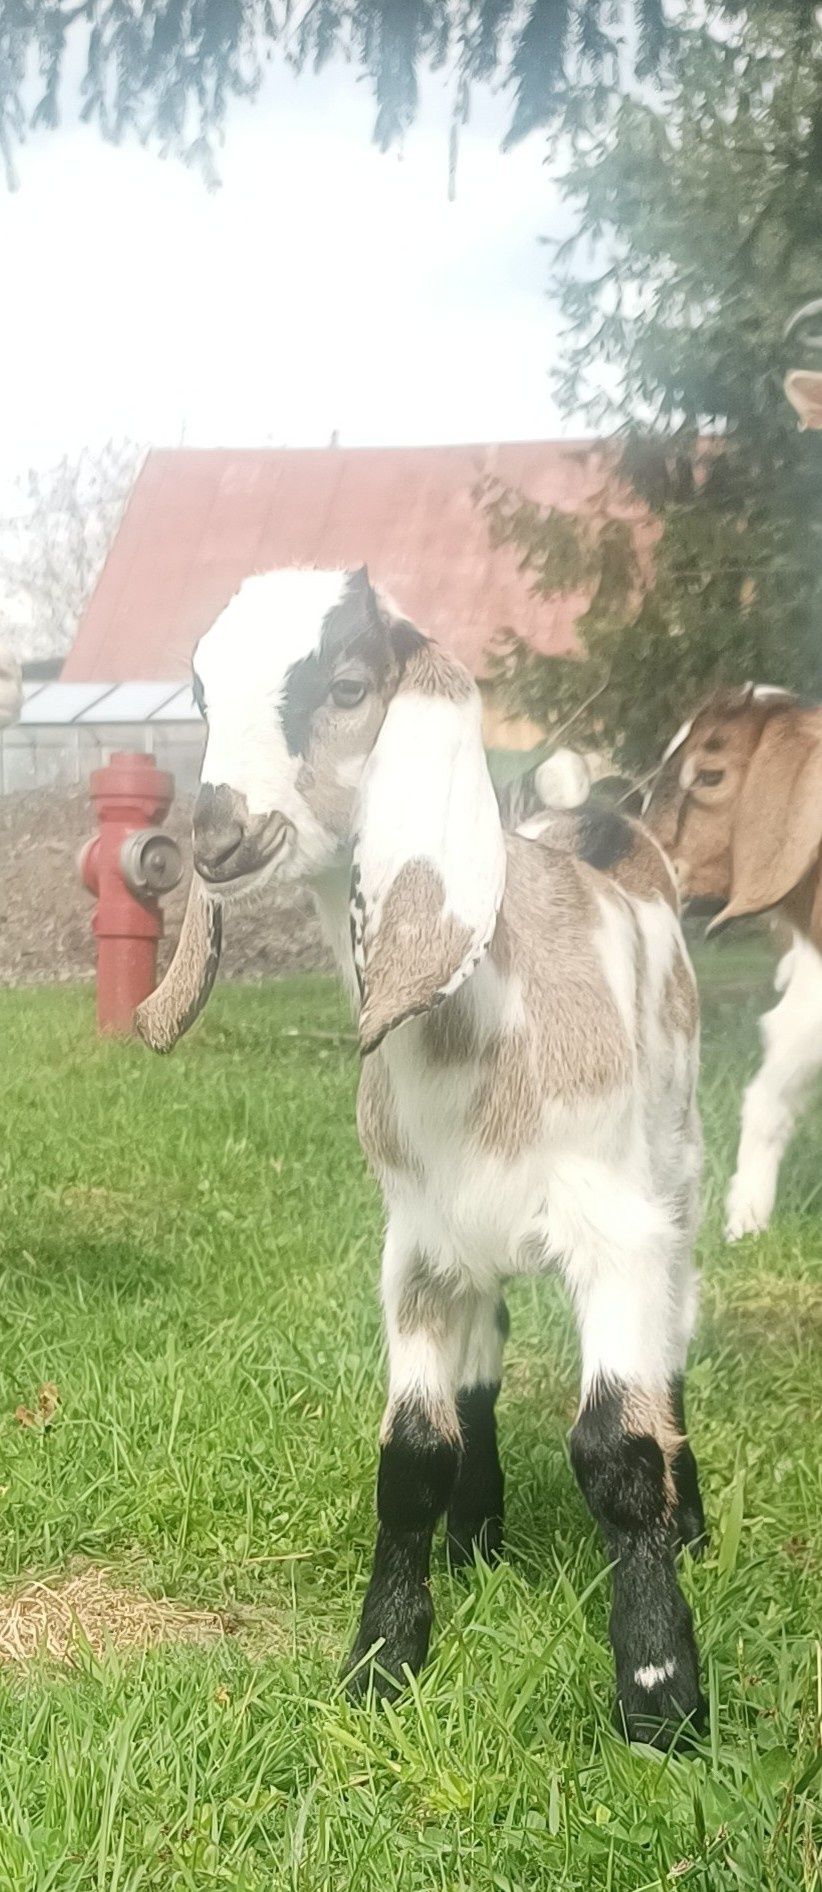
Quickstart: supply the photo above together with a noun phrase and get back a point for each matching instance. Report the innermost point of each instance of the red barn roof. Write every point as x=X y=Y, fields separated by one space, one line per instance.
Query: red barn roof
x=199 y=521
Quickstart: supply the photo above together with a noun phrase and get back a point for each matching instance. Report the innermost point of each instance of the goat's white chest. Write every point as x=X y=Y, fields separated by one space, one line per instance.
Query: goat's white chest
x=471 y=1174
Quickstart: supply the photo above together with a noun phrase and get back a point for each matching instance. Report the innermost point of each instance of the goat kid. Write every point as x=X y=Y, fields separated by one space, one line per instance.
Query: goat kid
x=738 y=806
x=529 y=1036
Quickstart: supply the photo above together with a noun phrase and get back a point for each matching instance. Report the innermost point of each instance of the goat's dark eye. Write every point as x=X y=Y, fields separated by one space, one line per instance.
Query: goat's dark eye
x=347 y=692
x=710 y=778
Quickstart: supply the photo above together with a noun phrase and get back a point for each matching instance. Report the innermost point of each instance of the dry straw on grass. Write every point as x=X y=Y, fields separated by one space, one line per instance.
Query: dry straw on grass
x=87 y=1609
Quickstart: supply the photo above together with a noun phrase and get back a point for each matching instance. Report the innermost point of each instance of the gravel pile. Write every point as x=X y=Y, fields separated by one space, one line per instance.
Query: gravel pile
x=45 y=914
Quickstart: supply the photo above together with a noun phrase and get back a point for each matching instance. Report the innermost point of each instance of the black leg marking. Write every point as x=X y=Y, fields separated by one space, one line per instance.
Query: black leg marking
x=417 y=1468
x=691 y=1530
x=623 y=1479
x=475 y=1513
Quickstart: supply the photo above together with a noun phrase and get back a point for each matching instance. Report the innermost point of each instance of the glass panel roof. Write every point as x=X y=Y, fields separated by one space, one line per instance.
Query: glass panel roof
x=181 y=708
x=62 y=702
x=128 y=703
x=66 y=703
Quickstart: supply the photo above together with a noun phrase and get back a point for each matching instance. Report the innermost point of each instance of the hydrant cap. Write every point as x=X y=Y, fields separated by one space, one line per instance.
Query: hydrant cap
x=151 y=862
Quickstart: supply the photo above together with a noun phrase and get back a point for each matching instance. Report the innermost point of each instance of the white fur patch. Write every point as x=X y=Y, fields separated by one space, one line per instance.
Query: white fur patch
x=655 y=1672
x=273 y=621
x=563 y=780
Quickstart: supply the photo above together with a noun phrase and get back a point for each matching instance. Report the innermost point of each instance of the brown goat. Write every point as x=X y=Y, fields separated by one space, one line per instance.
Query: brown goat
x=737 y=804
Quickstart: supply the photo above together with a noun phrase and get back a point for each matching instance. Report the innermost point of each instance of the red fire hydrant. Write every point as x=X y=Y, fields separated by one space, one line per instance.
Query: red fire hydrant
x=127 y=865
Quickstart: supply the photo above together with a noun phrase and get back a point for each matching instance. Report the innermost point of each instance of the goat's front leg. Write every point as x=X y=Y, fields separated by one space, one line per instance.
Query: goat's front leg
x=626 y=1451
x=420 y=1447
x=475 y=1513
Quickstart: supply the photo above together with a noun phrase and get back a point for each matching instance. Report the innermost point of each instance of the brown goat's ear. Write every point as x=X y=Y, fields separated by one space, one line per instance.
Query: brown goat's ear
x=777 y=829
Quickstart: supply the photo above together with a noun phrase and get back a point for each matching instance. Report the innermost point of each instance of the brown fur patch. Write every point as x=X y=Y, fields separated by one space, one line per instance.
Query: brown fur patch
x=377 y=1125
x=643 y=869
x=507 y=1107
x=449 y=1033
x=680 y=999
x=434 y=672
x=577 y=1045
x=648 y=1414
x=646 y=870
x=428 y=1299
x=416 y=950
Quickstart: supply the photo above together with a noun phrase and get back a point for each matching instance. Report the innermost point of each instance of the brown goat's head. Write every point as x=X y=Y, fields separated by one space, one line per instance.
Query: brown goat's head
x=737 y=803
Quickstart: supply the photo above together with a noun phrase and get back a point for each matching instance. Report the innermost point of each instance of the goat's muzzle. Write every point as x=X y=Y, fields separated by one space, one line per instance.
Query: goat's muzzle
x=230 y=845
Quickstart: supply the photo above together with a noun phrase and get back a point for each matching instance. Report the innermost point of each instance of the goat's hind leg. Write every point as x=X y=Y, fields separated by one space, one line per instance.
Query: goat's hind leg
x=475 y=1513
x=419 y=1455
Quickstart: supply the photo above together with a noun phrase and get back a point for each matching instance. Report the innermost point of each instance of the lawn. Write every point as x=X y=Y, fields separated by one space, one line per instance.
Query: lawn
x=189 y=1252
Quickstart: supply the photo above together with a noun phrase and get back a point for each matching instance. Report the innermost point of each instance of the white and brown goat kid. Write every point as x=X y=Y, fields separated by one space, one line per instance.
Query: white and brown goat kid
x=529 y=1036
x=738 y=805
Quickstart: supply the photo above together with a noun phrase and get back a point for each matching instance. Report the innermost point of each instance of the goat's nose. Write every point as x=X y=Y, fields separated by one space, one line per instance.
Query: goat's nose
x=219 y=831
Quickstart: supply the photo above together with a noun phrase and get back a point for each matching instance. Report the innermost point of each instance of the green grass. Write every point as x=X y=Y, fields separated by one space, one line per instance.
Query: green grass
x=190 y=1249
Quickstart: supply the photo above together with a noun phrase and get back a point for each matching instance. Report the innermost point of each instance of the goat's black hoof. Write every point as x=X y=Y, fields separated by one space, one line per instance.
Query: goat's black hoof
x=661 y=1710
x=468 y=1537
x=390 y=1641
x=369 y=1678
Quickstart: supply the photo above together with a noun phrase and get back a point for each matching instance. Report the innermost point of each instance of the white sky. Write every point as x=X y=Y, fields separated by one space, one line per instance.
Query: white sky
x=323 y=287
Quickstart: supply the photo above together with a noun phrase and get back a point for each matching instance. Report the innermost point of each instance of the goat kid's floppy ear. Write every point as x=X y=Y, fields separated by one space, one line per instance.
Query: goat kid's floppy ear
x=179 y=999
x=777 y=829
x=429 y=863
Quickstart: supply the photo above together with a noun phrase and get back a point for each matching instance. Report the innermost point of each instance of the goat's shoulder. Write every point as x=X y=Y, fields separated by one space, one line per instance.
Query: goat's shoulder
x=617 y=846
